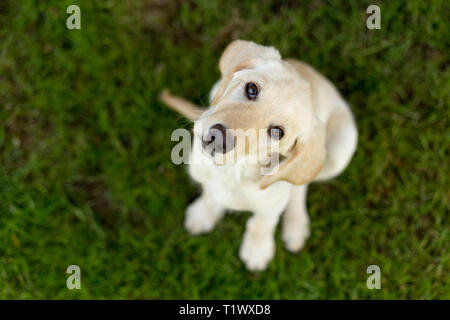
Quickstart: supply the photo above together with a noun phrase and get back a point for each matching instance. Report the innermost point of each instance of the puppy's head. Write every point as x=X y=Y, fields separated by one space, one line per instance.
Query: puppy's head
x=264 y=99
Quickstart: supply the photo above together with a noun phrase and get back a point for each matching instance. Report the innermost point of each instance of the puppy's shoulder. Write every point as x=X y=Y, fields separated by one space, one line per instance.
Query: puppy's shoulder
x=326 y=98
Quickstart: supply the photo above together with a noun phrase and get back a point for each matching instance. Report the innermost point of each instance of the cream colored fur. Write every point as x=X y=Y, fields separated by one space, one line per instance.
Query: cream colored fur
x=319 y=142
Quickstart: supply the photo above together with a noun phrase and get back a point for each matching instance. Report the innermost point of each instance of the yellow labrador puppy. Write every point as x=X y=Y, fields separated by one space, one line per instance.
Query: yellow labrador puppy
x=289 y=107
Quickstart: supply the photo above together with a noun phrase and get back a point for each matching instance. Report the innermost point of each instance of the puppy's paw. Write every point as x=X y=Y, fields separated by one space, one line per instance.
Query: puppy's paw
x=256 y=253
x=295 y=235
x=201 y=218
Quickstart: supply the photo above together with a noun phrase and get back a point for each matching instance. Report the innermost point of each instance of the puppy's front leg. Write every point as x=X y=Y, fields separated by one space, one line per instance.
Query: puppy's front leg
x=295 y=220
x=258 y=245
x=203 y=214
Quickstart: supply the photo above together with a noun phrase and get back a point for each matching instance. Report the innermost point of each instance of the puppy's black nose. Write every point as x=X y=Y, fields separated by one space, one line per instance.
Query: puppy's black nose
x=218 y=139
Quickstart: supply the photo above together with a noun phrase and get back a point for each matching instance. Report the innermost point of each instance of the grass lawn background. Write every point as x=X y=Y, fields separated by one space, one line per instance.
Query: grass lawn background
x=85 y=170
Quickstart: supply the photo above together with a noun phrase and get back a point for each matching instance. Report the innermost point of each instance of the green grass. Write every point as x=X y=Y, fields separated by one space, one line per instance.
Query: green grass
x=85 y=170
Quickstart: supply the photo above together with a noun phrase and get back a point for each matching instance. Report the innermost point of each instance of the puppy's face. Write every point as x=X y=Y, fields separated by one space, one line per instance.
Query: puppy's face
x=261 y=106
x=264 y=101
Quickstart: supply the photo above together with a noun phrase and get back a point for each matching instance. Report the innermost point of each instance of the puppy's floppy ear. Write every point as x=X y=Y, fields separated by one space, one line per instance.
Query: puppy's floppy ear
x=305 y=161
x=239 y=51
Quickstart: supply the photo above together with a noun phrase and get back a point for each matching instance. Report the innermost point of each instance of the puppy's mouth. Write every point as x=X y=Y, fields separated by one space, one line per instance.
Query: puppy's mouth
x=232 y=157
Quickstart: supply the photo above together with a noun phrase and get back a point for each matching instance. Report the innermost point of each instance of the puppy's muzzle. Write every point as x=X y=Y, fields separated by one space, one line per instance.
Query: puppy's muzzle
x=219 y=139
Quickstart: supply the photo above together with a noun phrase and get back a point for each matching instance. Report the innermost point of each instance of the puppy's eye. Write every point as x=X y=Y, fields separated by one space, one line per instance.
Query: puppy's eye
x=251 y=90
x=276 y=132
